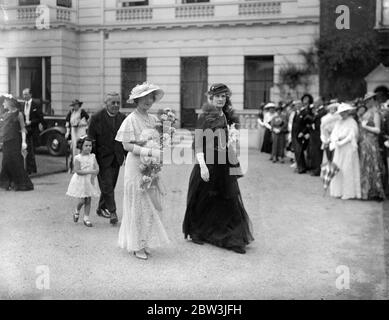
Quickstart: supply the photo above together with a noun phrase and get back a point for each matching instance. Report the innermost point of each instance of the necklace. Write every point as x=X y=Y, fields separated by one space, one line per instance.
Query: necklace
x=220 y=136
x=221 y=144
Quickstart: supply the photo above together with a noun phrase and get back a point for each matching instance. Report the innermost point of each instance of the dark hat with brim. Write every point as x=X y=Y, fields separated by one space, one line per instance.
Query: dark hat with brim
x=75 y=102
x=219 y=88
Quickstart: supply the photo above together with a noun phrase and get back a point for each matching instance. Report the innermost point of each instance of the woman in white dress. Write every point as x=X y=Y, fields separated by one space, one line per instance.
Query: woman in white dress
x=344 y=141
x=141 y=227
x=326 y=126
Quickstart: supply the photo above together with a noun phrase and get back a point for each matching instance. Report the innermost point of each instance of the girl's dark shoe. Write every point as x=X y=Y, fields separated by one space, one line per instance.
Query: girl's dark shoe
x=76 y=215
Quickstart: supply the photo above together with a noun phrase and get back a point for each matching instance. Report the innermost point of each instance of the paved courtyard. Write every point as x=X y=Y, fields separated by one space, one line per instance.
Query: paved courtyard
x=304 y=241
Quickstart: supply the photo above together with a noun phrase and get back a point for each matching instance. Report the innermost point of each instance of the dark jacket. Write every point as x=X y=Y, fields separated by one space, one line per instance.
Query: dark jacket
x=301 y=124
x=103 y=130
x=84 y=114
x=36 y=117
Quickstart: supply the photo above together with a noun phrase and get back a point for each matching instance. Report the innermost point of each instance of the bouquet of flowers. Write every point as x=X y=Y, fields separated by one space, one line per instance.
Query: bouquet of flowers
x=149 y=168
x=233 y=141
x=233 y=135
x=165 y=126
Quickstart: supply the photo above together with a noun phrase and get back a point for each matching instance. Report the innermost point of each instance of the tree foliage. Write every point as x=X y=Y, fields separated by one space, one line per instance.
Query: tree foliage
x=344 y=61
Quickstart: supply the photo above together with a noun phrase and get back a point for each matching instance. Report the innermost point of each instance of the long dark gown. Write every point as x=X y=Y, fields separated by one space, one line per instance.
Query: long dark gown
x=215 y=213
x=12 y=173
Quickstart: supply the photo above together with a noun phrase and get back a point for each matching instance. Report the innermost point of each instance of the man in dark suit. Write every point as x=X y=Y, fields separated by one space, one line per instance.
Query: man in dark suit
x=314 y=147
x=300 y=136
x=109 y=153
x=33 y=118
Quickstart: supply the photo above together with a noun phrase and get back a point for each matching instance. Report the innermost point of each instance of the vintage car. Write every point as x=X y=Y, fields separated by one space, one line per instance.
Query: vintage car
x=53 y=136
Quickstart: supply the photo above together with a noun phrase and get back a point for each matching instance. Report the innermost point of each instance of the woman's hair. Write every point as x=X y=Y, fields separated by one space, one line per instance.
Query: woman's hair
x=136 y=100
x=307 y=95
x=14 y=103
x=81 y=141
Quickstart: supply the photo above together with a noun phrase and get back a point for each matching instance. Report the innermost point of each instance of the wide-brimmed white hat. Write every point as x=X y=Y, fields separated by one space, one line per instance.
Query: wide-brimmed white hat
x=342 y=107
x=144 y=89
x=270 y=105
x=369 y=95
x=333 y=105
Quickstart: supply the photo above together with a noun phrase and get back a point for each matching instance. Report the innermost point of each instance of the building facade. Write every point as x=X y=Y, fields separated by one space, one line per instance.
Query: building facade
x=66 y=49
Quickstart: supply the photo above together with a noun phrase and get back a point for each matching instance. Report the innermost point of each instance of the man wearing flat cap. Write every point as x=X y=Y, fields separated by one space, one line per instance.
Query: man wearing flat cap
x=103 y=128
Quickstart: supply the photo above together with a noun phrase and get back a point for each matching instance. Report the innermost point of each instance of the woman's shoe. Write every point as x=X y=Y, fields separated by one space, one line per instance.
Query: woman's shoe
x=88 y=223
x=147 y=251
x=76 y=215
x=140 y=255
x=197 y=240
x=240 y=250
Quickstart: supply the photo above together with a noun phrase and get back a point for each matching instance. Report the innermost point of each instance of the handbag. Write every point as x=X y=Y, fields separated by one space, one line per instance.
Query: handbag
x=234 y=164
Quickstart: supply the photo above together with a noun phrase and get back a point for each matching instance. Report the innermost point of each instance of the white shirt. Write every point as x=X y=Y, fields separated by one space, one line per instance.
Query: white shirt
x=27 y=107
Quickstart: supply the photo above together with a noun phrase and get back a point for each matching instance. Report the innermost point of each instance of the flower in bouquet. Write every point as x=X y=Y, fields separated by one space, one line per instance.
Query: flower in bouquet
x=233 y=134
x=165 y=126
x=149 y=167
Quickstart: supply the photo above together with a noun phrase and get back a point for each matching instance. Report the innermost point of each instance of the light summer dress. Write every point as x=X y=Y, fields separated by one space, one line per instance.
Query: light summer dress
x=141 y=225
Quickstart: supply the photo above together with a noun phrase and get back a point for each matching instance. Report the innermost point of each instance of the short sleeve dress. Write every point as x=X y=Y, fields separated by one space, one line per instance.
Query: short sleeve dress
x=141 y=225
x=81 y=186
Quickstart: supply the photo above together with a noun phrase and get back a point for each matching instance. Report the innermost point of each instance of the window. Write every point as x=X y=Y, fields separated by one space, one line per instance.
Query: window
x=34 y=73
x=133 y=72
x=193 y=1
x=258 y=79
x=135 y=3
x=29 y=2
x=64 y=3
x=194 y=82
x=385 y=12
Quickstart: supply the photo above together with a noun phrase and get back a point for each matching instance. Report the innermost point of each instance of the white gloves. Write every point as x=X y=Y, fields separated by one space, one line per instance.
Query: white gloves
x=203 y=167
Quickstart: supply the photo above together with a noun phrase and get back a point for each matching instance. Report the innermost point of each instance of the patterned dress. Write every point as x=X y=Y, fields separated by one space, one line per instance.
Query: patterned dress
x=372 y=167
x=141 y=225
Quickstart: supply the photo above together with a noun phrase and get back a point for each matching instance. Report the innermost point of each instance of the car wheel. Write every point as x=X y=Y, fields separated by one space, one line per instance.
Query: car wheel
x=56 y=144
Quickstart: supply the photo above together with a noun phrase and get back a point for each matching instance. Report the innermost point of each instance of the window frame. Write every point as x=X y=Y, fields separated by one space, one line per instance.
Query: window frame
x=264 y=58
x=125 y=96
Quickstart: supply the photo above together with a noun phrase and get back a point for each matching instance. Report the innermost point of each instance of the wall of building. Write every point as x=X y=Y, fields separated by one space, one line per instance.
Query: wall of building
x=86 y=53
x=59 y=44
x=225 y=48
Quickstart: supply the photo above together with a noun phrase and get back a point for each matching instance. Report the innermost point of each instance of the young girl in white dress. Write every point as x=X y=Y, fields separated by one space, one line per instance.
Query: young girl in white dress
x=83 y=185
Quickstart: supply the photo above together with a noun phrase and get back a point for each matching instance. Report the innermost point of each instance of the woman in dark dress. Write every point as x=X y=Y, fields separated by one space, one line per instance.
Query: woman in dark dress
x=270 y=113
x=215 y=213
x=13 y=136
